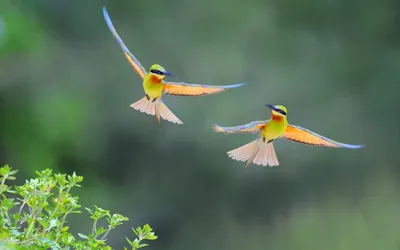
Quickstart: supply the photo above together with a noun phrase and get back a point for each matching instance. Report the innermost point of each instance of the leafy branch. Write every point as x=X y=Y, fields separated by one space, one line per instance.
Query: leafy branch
x=34 y=215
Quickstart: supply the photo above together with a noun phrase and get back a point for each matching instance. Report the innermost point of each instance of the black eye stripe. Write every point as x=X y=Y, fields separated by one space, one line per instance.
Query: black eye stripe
x=155 y=71
x=281 y=111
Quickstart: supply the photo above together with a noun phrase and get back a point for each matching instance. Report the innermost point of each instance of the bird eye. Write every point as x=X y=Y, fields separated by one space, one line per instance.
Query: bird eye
x=155 y=71
x=280 y=111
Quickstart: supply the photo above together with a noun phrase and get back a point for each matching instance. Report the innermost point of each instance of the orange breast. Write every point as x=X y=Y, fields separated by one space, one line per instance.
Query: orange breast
x=277 y=118
x=155 y=79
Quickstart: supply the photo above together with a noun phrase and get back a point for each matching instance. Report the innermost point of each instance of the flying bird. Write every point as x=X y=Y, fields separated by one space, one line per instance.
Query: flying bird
x=155 y=87
x=261 y=151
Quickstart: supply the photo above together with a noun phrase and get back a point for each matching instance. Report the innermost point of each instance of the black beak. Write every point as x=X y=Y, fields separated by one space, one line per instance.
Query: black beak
x=270 y=106
x=168 y=73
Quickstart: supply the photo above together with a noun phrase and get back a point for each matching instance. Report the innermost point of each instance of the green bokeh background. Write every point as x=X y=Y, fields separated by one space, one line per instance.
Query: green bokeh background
x=65 y=91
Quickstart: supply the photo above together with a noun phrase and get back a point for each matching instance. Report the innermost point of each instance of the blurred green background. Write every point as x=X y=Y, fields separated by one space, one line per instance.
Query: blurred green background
x=65 y=91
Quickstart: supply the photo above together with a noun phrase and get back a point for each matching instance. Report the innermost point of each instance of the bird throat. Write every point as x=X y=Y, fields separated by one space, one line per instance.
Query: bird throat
x=277 y=118
x=155 y=79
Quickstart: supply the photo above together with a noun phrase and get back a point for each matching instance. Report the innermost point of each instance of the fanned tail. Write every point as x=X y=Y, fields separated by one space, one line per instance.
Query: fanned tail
x=145 y=106
x=167 y=114
x=157 y=108
x=257 y=152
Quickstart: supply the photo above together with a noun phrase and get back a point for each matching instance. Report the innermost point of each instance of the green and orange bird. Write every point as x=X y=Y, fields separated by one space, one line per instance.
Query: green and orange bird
x=261 y=151
x=155 y=87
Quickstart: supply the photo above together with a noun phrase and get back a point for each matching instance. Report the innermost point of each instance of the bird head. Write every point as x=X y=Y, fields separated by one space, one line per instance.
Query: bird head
x=278 y=110
x=159 y=71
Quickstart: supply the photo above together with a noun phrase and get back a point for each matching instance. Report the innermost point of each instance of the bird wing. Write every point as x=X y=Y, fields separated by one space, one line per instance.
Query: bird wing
x=249 y=128
x=305 y=136
x=186 y=89
x=131 y=58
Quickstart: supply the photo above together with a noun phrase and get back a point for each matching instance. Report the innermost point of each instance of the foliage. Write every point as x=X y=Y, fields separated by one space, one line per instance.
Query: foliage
x=34 y=215
x=19 y=30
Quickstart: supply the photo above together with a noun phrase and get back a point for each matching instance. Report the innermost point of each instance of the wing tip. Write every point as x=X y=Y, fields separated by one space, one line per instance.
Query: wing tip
x=351 y=146
x=105 y=13
x=107 y=18
x=232 y=86
x=220 y=129
x=216 y=128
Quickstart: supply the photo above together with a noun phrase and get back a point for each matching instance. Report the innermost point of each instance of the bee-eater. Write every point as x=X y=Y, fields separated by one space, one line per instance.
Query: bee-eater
x=261 y=151
x=155 y=87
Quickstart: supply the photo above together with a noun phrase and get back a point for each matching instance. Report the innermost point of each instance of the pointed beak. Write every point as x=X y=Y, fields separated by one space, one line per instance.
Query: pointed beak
x=270 y=106
x=166 y=73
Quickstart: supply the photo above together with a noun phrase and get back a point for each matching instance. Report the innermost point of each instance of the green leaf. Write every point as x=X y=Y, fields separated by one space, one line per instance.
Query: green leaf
x=12 y=192
x=116 y=220
x=136 y=231
x=135 y=243
x=5 y=170
x=147 y=228
x=151 y=237
x=83 y=236
x=129 y=242
x=89 y=210
x=53 y=223
x=38 y=173
x=14 y=172
x=74 y=179
x=43 y=222
x=60 y=178
x=142 y=245
x=100 y=230
x=16 y=217
x=51 y=243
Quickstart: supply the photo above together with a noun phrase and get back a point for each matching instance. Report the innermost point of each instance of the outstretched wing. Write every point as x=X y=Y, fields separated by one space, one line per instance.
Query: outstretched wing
x=305 y=136
x=131 y=58
x=249 y=128
x=186 y=89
